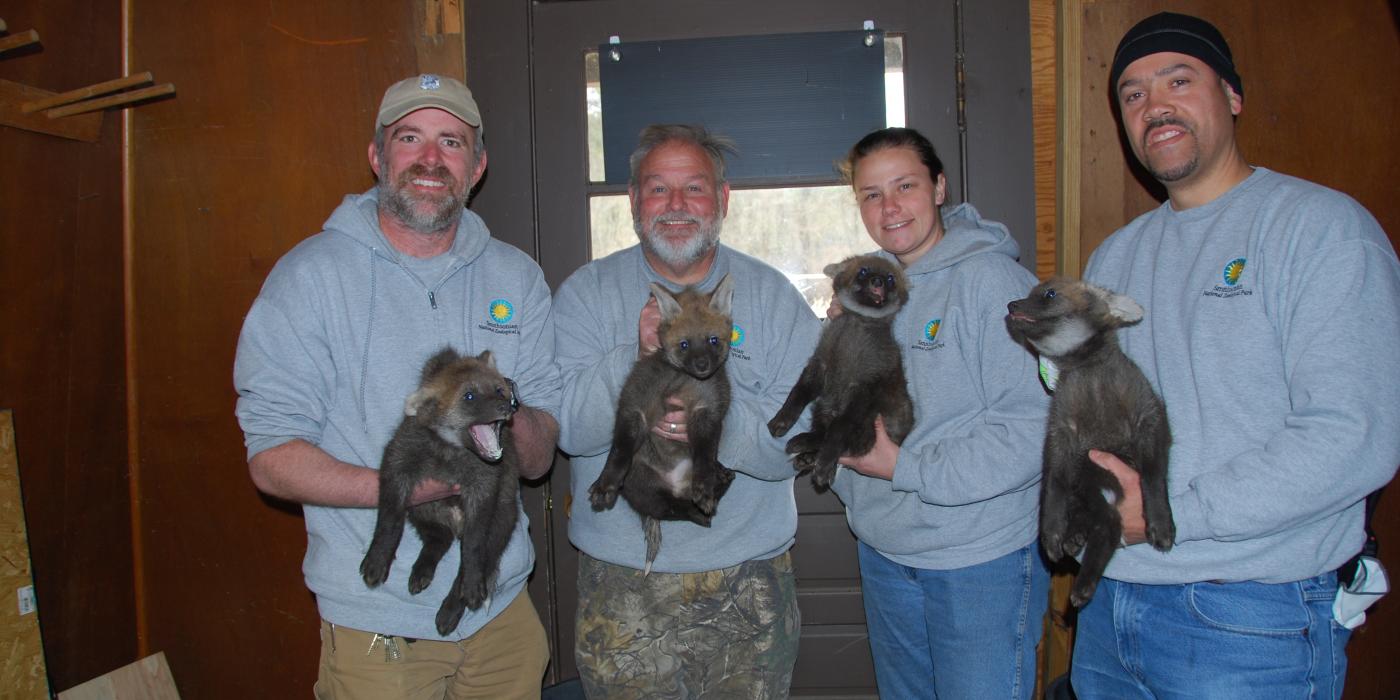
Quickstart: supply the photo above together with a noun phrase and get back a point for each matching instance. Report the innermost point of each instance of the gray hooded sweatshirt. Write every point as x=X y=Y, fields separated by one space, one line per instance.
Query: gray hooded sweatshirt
x=1270 y=331
x=965 y=488
x=333 y=345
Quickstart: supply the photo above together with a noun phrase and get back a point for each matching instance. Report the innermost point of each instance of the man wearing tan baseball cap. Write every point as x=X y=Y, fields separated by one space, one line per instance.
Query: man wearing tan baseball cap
x=330 y=350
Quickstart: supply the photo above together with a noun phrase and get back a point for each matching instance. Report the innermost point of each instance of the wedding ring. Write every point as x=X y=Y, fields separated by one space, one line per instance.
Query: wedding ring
x=671 y=428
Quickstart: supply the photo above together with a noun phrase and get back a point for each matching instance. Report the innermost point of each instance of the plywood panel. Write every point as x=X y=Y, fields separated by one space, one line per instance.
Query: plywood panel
x=21 y=649
x=147 y=679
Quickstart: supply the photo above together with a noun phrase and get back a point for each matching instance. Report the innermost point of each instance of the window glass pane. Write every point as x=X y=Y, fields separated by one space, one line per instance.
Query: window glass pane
x=894 y=99
x=595 y=115
x=894 y=80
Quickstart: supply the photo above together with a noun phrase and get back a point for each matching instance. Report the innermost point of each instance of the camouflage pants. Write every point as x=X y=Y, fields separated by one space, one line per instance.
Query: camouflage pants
x=730 y=633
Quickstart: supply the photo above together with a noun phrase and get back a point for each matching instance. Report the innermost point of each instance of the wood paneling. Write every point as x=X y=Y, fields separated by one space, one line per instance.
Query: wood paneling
x=268 y=133
x=1322 y=96
x=61 y=356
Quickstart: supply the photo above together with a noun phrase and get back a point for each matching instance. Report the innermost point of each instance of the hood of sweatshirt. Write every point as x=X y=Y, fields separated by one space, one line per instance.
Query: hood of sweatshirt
x=358 y=217
x=965 y=235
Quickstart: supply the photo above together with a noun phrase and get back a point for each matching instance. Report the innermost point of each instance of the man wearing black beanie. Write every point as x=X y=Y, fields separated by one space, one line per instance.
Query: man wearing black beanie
x=1270 y=331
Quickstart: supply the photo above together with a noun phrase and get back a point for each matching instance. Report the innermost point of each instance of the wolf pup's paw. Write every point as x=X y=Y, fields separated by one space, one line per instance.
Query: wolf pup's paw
x=823 y=475
x=421 y=578
x=602 y=496
x=1082 y=592
x=1053 y=544
x=375 y=569
x=449 y=615
x=803 y=443
x=1075 y=542
x=476 y=593
x=724 y=476
x=780 y=425
x=704 y=496
x=1161 y=536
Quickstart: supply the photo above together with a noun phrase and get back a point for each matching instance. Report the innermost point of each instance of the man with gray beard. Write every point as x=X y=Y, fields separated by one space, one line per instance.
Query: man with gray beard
x=331 y=349
x=717 y=616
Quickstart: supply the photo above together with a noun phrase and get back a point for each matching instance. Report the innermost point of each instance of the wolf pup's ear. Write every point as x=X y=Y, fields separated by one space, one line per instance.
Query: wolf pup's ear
x=486 y=358
x=1121 y=307
x=420 y=401
x=832 y=269
x=722 y=299
x=438 y=363
x=665 y=302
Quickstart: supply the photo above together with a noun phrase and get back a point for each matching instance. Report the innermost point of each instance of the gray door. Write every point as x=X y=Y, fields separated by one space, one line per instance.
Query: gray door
x=525 y=63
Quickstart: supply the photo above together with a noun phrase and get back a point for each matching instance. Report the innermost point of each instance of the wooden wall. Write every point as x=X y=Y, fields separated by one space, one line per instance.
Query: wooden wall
x=275 y=109
x=62 y=360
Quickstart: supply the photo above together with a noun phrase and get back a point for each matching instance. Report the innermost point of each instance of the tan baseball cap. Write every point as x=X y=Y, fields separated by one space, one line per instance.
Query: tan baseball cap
x=428 y=90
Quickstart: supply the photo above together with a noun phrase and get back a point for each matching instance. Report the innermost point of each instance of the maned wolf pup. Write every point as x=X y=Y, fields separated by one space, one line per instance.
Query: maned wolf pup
x=663 y=479
x=855 y=374
x=453 y=430
x=1102 y=401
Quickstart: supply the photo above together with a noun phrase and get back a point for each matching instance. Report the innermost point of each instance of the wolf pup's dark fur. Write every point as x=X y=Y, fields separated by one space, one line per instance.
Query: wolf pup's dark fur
x=1102 y=401
x=855 y=374
x=663 y=479
x=454 y=430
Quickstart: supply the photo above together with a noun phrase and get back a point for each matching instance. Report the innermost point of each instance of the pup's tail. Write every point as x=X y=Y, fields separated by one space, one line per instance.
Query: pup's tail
x=652 y=527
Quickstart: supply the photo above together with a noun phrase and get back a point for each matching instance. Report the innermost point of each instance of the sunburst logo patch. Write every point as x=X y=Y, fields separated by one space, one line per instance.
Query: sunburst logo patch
x=736 y=336
x=1233 y=270
x=931 y=330
x=501 y=311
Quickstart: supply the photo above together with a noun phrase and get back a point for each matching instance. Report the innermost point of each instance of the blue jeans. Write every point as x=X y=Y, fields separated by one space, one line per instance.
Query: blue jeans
x=961 y=633
x=1211 y=640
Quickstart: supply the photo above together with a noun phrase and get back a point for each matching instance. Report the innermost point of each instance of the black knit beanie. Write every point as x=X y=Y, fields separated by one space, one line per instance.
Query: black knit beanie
x=1169 y=31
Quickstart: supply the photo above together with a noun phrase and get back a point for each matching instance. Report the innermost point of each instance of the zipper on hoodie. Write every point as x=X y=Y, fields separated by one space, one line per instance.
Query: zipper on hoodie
x=432 y=300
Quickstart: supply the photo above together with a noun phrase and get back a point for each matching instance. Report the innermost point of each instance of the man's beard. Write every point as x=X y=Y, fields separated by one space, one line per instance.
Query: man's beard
x=682 y=253
x=422 y=214
x=1180 y=171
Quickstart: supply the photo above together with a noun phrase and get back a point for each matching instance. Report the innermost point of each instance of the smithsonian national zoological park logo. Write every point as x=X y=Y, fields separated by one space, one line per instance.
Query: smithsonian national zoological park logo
x=929 y=341
x=500 y=313
x=1230 y=276
x=736 y=342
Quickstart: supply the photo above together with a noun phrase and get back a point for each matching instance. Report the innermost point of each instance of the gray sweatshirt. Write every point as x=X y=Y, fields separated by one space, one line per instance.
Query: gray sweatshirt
x=333 y=345
x=597 y=310
x=965 y=488
x=1271 y=331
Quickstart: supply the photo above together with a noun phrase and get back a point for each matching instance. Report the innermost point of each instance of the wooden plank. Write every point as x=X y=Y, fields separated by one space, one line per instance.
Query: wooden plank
x=439 y=44
x=89 y=91
x=84 y=127
x=147 y=679
x=22 y=671
x=1069 y=155
x=1043 y=106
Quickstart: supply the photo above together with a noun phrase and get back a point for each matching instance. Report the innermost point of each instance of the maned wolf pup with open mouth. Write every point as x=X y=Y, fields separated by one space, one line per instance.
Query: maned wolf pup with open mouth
x=1103 y=402
x=453 y=430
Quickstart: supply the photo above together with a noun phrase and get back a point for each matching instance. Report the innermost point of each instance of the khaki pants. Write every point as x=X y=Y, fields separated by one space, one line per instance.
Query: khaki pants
x=504 y=659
